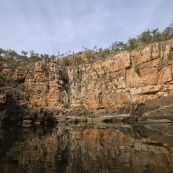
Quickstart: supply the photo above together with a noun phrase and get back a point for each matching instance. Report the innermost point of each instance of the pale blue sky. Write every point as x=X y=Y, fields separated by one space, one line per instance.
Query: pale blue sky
x=49 y=26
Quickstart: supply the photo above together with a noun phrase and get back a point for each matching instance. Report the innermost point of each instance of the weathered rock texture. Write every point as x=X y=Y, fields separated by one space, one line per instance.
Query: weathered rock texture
x=47 y=83
x=140 y=75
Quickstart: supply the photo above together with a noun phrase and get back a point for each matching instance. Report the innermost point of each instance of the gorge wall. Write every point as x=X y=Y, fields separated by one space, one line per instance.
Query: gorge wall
x=136 y=76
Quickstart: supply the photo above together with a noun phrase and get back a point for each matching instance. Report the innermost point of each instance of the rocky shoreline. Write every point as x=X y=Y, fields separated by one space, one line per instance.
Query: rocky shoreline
x=155 y=111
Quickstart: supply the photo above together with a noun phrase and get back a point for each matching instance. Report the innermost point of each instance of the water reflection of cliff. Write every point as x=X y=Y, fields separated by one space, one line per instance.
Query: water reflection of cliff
x=85 y=148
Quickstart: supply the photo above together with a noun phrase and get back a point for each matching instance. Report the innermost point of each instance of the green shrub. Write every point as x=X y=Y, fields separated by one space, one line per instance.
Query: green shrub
x=16 y=97
x=66 y=105
x=126 y=102
x=66 y=132
x=44 y=67
x=9 y=81
x=30 y=112
x=66 y=62
x=78 y=60
x=23 y=87
x=137 y=70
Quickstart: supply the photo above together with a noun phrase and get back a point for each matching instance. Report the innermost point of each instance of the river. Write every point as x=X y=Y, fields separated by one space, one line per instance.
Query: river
x=87 y=148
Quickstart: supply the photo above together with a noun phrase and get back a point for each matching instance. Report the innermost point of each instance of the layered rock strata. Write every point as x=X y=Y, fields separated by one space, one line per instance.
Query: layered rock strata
x=137 y=76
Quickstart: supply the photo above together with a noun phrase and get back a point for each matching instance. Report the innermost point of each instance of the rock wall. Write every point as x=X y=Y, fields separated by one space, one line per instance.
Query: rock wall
x=47 y=84
x=140 y=75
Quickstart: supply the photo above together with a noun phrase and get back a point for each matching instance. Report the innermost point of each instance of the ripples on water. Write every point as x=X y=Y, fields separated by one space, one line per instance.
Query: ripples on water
x=87 y=148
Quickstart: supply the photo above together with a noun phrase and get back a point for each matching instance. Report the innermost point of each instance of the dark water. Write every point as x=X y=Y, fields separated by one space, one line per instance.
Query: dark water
x=87 y=148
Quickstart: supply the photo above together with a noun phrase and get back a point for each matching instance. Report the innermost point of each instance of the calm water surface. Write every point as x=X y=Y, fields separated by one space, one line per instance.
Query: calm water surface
x=87 y=148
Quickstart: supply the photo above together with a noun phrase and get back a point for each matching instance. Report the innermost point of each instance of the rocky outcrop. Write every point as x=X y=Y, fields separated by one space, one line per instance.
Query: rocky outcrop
x=159 y=108
x=137 y=76
x=12 y=112
x=47 y=84
x=134 y=83
x=20 y=74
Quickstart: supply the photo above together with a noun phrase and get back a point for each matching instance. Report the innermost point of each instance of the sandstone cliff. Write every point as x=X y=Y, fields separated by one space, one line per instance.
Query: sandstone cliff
x=137 y=76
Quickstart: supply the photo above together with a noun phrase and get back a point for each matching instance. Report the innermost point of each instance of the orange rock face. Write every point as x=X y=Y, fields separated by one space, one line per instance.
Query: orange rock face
x=20 y=74
x=138 y=75
x=46 y=85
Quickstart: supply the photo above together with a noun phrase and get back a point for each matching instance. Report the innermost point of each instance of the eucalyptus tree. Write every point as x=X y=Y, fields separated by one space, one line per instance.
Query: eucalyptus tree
x=146 y=37
x=58 y=55
x=24 y=53
x=168 y=32
x=95 y=48
x=156 y=35
x=132 y=44
x=2 y=51
x=11 y=54
x=31 y=53
x=53 y=57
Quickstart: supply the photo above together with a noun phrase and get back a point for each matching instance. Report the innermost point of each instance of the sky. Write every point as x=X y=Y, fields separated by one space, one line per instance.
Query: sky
x=51 y=26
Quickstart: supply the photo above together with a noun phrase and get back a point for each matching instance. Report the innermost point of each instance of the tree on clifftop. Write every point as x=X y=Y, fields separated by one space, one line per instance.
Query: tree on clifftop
x=24 y=53
x=2 y=51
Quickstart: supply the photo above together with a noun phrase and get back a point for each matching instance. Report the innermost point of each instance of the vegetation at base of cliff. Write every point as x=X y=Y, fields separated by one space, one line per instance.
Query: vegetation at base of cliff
x=30 y=112
x=7 y=84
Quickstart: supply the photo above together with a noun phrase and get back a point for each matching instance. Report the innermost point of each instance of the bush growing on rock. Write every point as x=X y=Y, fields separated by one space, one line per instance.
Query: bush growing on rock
x=78 y=60
x=66 y=62
x=66 y=105
x=137 y=70
x=30 y=113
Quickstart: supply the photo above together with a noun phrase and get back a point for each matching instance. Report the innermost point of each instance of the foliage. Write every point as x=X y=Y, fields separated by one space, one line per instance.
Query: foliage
x=20 y=92
x=13 y=59
x=126 y=102
x=167 y=32
x=137 y=70
x=23 y=87
x=66 y=105
x=89 y=54
x=9 y=81
x=45 y=67
x=30 y=111
x=18 y=95
x=117 y=46
x=24 y=52
x=66 y=62
x=144 y=38
x=66 y=132
x=132 y=44
x=8 y=84
x=78 y=60
x=2 y=52
x=28 y=136
x=1 y=79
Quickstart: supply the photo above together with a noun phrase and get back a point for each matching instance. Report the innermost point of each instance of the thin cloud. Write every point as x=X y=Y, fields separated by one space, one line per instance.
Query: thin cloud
x=54 y=25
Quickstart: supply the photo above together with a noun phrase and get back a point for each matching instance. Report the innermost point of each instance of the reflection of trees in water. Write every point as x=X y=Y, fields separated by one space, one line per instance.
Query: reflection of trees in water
x=15 y=143
x=100 y=148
